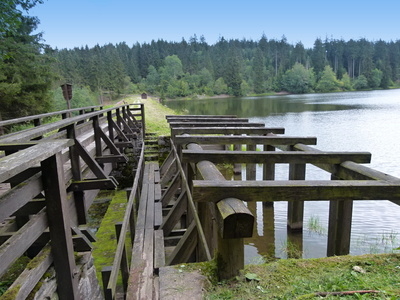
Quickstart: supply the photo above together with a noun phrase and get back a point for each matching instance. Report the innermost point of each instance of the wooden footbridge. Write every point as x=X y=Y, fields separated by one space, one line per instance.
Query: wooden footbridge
x=182 y=210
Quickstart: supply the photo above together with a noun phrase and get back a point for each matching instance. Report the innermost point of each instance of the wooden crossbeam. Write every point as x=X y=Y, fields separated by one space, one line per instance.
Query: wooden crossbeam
x=309 y=190
x=200 y=116
x=274 y=156
x=249 y=129
x=248 y=140
x=215 y=124
x=206 y=119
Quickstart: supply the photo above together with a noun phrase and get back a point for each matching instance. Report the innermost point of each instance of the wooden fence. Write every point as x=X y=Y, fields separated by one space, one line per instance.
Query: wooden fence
x=52 y=173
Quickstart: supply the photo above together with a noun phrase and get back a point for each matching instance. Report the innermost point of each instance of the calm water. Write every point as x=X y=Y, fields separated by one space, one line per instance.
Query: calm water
x=356 y=121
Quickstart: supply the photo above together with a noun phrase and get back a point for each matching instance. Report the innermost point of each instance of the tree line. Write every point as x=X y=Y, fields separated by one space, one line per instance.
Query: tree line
x=235 y=67
x=31 y=72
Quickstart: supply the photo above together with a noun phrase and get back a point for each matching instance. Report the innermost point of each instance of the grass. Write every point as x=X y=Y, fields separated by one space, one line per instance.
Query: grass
x=302 y=278
x=155 y=114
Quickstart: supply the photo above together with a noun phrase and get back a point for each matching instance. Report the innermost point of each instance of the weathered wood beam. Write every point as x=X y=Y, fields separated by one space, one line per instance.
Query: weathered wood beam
x=20 y=161
x=60 y=228
x=184 y=119
x=215 y=124
x=17 y=197
x=226 y=130
x=248 y=140
x=310 y=190
x=200 y=116
x=217 y=156
x=92 y=184
x=19 y=243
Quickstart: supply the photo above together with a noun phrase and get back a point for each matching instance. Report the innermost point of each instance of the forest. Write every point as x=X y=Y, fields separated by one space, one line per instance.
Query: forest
x=31 y=72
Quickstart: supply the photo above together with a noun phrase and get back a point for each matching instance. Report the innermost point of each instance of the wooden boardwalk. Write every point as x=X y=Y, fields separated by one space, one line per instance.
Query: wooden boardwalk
x=181 y=211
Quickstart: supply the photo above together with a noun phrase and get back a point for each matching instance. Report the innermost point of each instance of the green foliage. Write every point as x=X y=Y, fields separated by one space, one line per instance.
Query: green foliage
x=298 y=80
x=171 y=69
x=328 y=81
x=360 y=83
x=375 y=78
x=25 y=74
x=81 y=97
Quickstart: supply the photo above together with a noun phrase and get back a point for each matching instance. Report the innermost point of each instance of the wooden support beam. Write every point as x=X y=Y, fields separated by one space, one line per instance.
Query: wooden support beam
x=339 y=229
x=186 y=119
x=185 y=247
x=60 y=228
x=93 y=184
x=17 y=197
x=226 y=130
x=295 y=211
x=248 y=140
x=310 y=190
x=19 y=243
x=274 y=157
x=215 y=124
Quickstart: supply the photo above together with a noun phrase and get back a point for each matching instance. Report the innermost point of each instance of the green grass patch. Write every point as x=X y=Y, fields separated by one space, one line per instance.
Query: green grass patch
x=302 y=278
x=155 y=114
x=106 y=244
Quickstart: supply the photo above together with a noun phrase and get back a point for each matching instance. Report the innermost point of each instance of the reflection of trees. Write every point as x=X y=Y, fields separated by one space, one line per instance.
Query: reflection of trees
x=252 y=107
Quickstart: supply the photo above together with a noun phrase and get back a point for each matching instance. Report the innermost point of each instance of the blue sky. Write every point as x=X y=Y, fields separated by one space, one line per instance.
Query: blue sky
x=76 y=23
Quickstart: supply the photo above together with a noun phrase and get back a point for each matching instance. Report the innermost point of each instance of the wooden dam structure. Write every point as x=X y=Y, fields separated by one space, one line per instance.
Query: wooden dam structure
x=180 y=210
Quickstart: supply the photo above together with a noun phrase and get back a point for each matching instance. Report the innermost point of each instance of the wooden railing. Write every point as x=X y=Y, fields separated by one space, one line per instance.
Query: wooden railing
x=51 y=174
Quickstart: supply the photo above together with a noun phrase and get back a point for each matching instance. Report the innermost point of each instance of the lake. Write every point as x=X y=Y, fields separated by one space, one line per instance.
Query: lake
x=352 y=121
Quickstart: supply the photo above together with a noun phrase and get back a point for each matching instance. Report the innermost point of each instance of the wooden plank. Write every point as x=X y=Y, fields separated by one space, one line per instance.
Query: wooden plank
x=146 y=289
x=29 y=278
x=159 y=252
x=17 y=197
x=180 y=206
x=20 y=242
x=92 y=184
x=185 y=119
x=50 y=127
x=215 y=124
x=20 y=161
x=200 y=116
x=185 y=247
x=248 y=140
x=158 y=218
x=226 y=130
x=170 y=172
x=309 y=190
x=274 y=157
x=171 y=190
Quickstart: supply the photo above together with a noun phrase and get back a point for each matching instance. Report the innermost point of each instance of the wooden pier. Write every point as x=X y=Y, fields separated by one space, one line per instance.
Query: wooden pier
x=180 y=211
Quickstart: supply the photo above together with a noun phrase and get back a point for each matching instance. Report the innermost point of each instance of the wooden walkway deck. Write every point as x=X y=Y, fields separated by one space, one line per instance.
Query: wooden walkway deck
x=148 y=248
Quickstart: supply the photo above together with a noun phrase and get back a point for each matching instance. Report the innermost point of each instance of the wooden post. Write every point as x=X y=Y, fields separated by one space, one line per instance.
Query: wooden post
x=105 y=277
x=339 y=228
x=296 y=207
x=60 y=228
x=124 y=260
x=79 y=196
x=268 y=171
x=230 y=257
x=251 y=168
